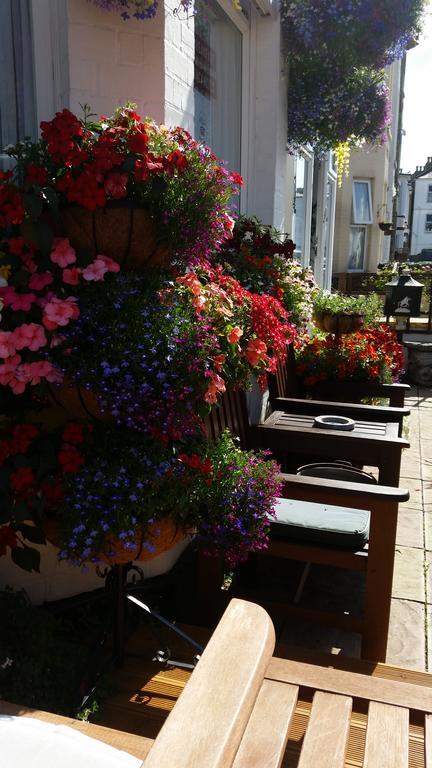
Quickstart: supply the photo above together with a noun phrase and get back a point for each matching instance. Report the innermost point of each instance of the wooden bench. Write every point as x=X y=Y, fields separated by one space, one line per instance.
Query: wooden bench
x=243 y=707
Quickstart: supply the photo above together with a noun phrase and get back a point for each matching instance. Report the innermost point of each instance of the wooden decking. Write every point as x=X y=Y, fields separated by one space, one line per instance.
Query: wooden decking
x=146 y=692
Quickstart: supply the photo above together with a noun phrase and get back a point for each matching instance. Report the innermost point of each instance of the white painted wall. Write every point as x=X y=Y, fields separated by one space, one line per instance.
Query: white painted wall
x=268 y=176
x=419 y=238
x=402 y=211
x=148 y=62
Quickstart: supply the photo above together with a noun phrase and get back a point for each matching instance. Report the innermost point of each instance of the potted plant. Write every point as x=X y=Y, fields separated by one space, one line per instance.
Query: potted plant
x=336 y=313
x=261 y=258
x=126 y=488
x=122 y=186
x=372 y=354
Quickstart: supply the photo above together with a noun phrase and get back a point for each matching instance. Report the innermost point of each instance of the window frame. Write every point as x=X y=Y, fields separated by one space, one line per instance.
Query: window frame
x=365 y=227
x=307 y=156
x=355 y=213
x=428 y=230
x=429 y=194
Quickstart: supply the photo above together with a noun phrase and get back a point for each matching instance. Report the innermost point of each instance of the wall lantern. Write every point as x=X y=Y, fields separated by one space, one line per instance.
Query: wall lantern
x=403 y=297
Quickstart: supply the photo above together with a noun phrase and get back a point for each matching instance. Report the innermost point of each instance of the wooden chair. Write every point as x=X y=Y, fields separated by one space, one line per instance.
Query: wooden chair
x=376 y=560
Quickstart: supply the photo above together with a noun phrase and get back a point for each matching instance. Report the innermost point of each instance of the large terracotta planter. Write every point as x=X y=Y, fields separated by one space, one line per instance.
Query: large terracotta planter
x=124 y=233
x=162 y=536
x=75 y=402
x=342 y=322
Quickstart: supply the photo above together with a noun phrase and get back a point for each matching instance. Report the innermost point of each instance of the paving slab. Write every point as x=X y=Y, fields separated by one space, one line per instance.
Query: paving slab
x=407 y=635
x=409 y=575
x=410 y=528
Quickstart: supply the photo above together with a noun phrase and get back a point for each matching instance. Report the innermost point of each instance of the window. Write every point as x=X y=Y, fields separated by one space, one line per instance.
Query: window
x=302 y=209
x=428 y=222
x=362 y=202
x=429 y=193
x=17 y=93
x=218 y=83
x=357 y=249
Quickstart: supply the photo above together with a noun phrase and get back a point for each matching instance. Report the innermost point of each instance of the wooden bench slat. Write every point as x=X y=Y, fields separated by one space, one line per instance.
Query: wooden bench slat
x=416 y=697
x=266 y=735
x=428 y=741
x=326 y=738
x=387 y=736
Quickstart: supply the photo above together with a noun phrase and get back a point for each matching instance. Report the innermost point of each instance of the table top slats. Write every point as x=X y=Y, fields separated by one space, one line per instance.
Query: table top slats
x=387 y=737
x=326 y=738
x=266 y=735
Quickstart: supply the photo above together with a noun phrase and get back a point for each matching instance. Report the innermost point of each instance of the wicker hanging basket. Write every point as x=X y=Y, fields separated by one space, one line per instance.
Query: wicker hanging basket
x=124 y=233
x=341 y=322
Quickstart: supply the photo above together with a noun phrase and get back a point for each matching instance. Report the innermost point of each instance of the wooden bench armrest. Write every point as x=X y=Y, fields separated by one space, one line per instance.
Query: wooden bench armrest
x=207 y=723
x=362 y=412
x=340 y=493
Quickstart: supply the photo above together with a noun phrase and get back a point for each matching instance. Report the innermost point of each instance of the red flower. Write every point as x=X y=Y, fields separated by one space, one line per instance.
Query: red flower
x=116 y=185
x=70 y=459
x=21 y=479
x=73 y=433
x=36 y=175
x=7 y=539
x=22 y=436
x=138 y=142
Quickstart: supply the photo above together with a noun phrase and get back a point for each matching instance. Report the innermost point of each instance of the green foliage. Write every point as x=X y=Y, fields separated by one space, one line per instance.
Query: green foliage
x=335 y=303
x=41 y=659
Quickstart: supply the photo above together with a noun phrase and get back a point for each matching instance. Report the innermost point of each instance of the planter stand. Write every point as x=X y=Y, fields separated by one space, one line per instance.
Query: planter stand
x=420 y=362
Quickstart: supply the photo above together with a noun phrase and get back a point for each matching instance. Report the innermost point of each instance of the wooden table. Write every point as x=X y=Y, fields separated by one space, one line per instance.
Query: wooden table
x=370 y=442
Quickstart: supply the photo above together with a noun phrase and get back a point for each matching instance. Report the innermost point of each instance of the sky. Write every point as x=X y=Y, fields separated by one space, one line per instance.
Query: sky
x=417 y=115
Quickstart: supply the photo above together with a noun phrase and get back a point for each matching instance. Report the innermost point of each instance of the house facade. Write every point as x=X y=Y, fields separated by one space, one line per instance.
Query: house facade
x=367 y=194
x=420 y=238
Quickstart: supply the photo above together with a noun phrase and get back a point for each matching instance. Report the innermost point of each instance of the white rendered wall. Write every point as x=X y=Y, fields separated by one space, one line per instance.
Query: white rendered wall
x=419 y=238
x=268 y=177
x=149 y=62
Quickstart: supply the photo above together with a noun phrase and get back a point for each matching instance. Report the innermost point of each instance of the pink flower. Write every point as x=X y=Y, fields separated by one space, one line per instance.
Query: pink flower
x=7 y=344
x=9 y=375
x=29 y=335
x=234 y=335
x=71 y=276
x=228 y=224
x=62 y=252
x=95 y=271
x=210 y=396
x=39 y=281
x=217 y=381
x=17 y=301
x=41 y=369
x=60 y=312
x=111 y=265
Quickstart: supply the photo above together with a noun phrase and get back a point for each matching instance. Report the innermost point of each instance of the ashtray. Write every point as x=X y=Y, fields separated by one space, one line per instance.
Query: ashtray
x=334 y=422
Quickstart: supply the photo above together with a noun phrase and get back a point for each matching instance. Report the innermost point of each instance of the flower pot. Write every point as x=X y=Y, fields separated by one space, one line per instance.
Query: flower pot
x=75 y=402
x=162 y=536
x=341 y=322
x=124 y=233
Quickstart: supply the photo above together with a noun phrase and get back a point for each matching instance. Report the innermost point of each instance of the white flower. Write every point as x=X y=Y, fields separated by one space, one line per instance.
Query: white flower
x=7 y=663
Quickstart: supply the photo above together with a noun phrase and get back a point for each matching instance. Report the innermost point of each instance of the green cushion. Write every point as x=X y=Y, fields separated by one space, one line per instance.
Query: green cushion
x=325 y=524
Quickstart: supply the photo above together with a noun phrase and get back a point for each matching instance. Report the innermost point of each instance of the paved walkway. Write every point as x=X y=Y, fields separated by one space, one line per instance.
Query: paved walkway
x=410 y=636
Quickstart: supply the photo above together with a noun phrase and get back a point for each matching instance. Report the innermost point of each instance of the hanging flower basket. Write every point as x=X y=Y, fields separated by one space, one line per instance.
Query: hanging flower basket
x=159 y=538
x=74 y=402
x=123 y=232
x=341 y=322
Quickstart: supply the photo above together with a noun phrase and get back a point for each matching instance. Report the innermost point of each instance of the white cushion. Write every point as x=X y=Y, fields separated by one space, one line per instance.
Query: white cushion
x=30 y=743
